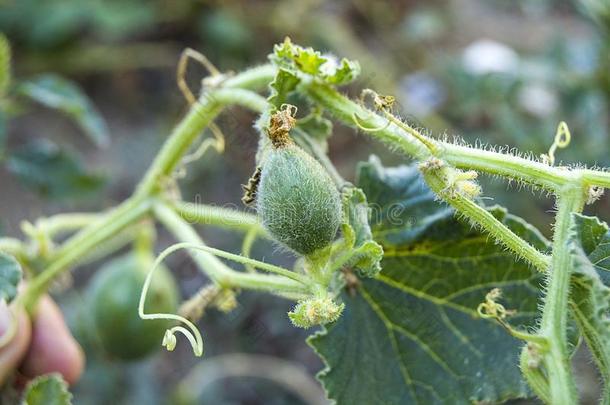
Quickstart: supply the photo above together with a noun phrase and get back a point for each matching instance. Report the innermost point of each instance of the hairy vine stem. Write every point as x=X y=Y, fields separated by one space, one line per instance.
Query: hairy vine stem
x=460 y=156
x=483 y=218
x=555 y=312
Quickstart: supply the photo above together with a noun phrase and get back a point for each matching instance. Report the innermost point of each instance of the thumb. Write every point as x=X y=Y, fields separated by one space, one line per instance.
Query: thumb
x=52 y=349
x=13 y=352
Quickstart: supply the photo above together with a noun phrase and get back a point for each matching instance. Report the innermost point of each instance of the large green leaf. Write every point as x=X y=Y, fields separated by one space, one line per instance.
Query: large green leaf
x=10 y=276
x=49 y=389
x=56 y=92
x=51 y=171
x=412 y=335
x=590 y=294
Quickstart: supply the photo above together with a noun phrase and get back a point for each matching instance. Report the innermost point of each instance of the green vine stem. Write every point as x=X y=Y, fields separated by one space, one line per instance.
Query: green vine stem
x=203 y=214
x=220 y=273
x=81 y=245
x=199 y=116
x=478 y=215
x=12 y=246
x=534 y=376
x=460 y=156
x=65 y=223
x=555 y=311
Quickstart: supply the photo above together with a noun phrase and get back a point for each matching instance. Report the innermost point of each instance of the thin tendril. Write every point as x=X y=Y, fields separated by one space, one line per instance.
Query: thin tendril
x=181 y=71
x=358 y=121
x=193 y=335
x=169 y=340
x=218 y=143
x=562 y=140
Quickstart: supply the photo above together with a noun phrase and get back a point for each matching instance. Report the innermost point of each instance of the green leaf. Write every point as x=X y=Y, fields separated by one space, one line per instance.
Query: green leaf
x=49 y=389
x=5 y=65
x=403 y=208
x=297 y=59
x=52 y=172
x=366 y=253
x=589 y=294
x=281 y=86
x=10 y=276
x=346 y=72
x=56 y=92
x=412 y=335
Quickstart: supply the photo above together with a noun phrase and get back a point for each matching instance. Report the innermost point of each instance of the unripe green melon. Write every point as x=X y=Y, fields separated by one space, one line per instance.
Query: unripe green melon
x=297 y=200
x=114 y=295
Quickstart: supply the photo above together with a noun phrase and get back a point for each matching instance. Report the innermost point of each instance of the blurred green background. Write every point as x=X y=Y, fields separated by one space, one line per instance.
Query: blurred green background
x=498 y=72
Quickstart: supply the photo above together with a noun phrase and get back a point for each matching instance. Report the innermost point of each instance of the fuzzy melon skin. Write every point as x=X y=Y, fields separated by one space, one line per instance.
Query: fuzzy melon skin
x=297 y=200
x=114 y=295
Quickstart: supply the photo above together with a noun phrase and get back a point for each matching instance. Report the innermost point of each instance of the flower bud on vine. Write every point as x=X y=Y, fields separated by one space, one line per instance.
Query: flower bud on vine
x=458 y=182
x=315 y=311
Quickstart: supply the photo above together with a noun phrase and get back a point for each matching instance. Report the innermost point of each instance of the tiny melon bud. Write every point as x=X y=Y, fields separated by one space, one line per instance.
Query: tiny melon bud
x=315 y=311
x=296 y=199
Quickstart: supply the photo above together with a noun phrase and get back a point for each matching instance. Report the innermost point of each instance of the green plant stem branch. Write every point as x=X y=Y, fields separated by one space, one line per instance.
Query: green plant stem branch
x=555 y=311
x=64 y=223
x=483 y=218
x=246 y=247
x=220 y=273
x=224 y=217
x=197 y=119
x=534 y=376
x=11 y=246
x=465 y=157
x=81 y=244
x=199 y=116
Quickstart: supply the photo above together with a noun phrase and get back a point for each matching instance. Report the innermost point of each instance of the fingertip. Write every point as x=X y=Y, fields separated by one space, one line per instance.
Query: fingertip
x=14 y=351
x=53 y=348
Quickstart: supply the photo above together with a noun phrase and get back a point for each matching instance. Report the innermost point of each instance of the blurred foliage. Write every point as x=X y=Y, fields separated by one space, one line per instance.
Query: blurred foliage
x=55 y=92
x=502 y=72
x=51 y=171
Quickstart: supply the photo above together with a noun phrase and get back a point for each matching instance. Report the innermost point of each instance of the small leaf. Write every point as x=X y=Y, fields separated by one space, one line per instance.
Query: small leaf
x=297 y=59
x=589 y=294
x=308 y=60
x=346 y=72
x=49 y=389
x=10 y=276
x=56 y=92
x=281 y=86
x=404 y=208
x=412 y=334
x=51 y=171
x=367 y=253
x=5 y=65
